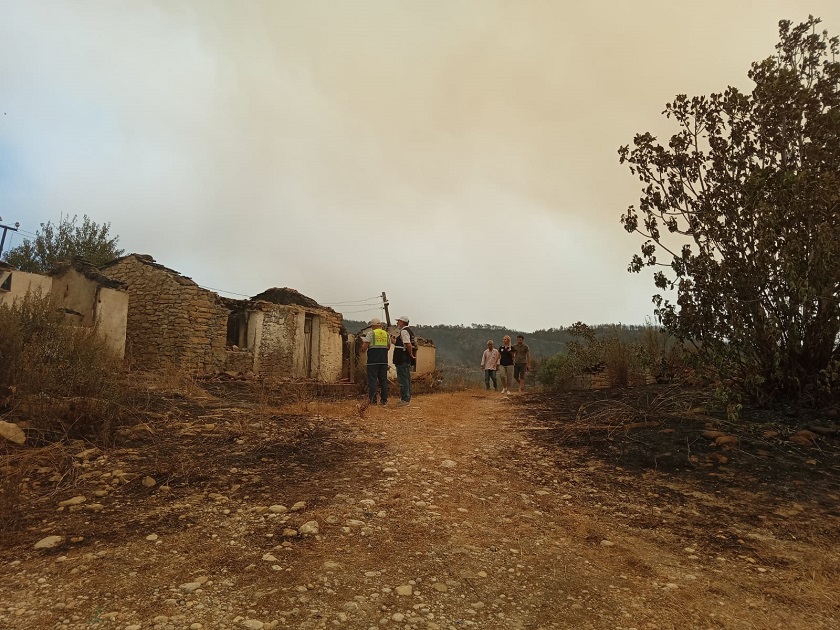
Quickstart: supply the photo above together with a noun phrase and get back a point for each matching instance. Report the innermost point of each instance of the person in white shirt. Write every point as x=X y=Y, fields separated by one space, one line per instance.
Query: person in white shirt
x=490 y=363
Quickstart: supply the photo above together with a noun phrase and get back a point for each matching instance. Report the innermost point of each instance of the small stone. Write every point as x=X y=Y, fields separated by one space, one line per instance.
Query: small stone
x=269 y=557
x=278 y=509
x=405 y=589
x=726 y=440
x=310 y=527
x=607 y=543
x=87 y=453
x=152 y=537
x=297 y=507
x=189 y=587
x=448 y=463
x=50 y=542
x=74 y=501
x=12 y=432
x=253 y=624
x=149 y=482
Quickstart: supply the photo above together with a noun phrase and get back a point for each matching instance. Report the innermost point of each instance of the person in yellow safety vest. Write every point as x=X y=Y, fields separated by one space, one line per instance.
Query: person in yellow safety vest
x=376 y=344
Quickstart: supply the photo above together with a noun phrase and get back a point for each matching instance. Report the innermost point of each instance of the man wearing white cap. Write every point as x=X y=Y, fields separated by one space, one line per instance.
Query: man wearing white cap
x=404 y=357
x=376 y=344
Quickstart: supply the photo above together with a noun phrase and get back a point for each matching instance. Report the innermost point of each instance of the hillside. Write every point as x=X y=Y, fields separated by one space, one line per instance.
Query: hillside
x=462 y=345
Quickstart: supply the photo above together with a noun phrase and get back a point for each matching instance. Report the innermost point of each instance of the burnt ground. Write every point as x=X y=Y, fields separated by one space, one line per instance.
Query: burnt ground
x=687 y=483
x=468 y=509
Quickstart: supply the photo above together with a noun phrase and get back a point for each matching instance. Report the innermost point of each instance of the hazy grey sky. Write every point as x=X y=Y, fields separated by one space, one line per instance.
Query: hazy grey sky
x=460 y=155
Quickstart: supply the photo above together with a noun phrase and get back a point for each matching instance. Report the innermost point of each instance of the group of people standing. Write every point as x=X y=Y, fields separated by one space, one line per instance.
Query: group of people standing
x=513 y=361
x=377 y=343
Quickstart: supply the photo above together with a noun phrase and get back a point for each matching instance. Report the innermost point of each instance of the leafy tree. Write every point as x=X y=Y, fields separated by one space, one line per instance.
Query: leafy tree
x=56 y=243
x=744 y=203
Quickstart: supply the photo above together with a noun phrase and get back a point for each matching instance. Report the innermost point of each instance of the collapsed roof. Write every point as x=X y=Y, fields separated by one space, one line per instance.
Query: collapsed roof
x=288 y=297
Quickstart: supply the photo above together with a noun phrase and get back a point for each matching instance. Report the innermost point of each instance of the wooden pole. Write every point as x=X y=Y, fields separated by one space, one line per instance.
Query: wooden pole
x=385 y=306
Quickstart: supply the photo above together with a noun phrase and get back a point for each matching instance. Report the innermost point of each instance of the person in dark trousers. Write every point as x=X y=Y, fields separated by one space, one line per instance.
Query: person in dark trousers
x=404 y=355
x=490 y=363
x=377 y=344
x=521 y=362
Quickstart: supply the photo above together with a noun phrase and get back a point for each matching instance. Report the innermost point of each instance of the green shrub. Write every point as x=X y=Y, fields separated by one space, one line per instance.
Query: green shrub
x=555 y=371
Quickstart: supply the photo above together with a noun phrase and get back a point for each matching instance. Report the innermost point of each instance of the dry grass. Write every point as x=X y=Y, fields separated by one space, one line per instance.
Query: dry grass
x=632 y=411
x=18 y=464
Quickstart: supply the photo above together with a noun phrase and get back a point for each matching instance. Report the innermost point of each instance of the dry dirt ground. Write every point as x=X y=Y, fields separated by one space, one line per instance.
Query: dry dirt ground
x=465 y=510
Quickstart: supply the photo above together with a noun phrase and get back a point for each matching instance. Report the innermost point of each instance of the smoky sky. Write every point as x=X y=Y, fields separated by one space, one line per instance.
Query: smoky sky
x=460 y=156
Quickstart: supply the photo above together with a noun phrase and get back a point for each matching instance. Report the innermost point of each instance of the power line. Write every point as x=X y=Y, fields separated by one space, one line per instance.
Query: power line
x=370 y=299
x=322 y=304
x=224 y=291
x=367 y=310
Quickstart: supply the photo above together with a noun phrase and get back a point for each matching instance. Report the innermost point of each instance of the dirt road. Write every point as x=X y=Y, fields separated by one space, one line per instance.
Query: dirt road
x=227 y=510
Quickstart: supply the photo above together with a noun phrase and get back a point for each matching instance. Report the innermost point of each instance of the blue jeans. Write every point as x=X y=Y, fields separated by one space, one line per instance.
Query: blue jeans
x=404 y=377
x=488 y=376
x=377 y=378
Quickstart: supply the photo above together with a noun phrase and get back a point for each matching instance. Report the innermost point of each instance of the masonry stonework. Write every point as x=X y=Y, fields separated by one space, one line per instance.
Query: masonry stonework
x=172 y=322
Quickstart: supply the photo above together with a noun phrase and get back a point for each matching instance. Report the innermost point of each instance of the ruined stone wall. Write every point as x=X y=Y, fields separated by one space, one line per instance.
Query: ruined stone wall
x=111 y=315
x=171 y=320
x=77 y=293
x=330 y=347
x=239 y=361
x=280 y=346
x=425 y=359
x=275 y=349
x=23 y=282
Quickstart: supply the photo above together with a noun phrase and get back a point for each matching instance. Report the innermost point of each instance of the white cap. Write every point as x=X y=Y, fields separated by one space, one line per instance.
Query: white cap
x=376 y=322
x=403 y=318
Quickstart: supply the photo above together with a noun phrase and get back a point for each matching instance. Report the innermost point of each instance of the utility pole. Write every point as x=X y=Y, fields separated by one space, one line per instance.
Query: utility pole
x=384 y=305
x=6 y=228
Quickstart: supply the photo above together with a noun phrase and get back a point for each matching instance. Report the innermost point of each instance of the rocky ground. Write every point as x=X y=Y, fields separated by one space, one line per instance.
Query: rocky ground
x=228 y=510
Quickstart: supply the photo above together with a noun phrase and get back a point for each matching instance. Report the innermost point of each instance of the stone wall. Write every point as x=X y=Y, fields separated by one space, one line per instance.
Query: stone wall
x=172 y=322
x=94 y=299
x=277 y=340
x=602 y=380
x=280 y=347
x=20 y=283
x=331 y=347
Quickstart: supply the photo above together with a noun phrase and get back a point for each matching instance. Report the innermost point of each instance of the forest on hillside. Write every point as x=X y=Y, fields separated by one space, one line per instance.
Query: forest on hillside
x=461 y=345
